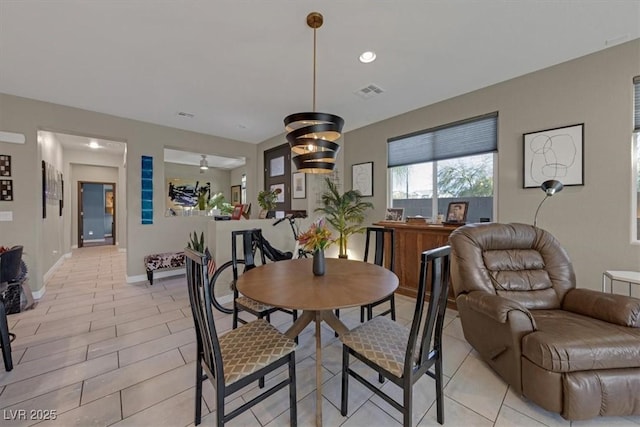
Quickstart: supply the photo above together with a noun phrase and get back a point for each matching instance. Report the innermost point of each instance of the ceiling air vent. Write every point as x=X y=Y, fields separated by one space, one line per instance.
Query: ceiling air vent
x=186 y=115
x=369 y=91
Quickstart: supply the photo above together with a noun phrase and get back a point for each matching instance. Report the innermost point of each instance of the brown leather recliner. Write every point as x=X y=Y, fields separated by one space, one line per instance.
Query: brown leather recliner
x=571 y=351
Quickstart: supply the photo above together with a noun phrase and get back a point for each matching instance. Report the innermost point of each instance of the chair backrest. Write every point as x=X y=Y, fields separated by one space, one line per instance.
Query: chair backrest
x=10 y=264
x=517 y=261
x=378 y=234
x=202 y=309
x=252 y=244
x=426 y=331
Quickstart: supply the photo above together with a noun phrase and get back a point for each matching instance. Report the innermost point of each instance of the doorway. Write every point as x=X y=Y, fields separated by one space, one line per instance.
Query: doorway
x=96 y=213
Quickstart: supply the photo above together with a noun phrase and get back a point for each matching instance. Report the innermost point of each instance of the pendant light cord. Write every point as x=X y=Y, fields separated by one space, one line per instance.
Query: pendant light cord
x=314 y=70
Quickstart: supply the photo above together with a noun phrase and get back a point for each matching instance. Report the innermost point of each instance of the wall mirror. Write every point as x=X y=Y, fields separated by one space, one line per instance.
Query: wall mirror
x=187 y=175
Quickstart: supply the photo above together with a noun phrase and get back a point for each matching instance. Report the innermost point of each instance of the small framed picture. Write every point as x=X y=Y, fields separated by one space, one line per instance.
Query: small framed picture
x=457 y=213
x=299 y=185
x=236 y=194
x=237 y=211
x=280 y=187
x=394 y=214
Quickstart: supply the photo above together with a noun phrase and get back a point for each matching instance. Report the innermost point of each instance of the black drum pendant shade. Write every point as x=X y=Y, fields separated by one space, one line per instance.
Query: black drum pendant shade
x=312 y=135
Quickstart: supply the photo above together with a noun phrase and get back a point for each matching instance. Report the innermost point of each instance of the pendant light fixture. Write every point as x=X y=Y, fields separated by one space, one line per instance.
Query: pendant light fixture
x=312 y=136
x=204 y=165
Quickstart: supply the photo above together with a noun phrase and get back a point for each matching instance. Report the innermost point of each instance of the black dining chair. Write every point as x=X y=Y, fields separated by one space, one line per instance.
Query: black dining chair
x=383 y=248
x=400 y=354
x=237 y=358
x=252 y=245
x=9 y=271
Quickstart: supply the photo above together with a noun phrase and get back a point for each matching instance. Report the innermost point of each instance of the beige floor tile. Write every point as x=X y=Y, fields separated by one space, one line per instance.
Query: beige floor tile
x=245 y=419
x=128 y=308
x=180 y=324
x=24 y=330
x=154 y=390
x=26 y=370
x=454 y=351
x=110 y=382
x=477 y=387
x=510 y=417
x=606 y=422
x=147 y=322
x=140 y=299
x=64 y=344
x=50 y=335
x=526 y=407
x=71 y=305
x=307 y=414
x=124 y=318
x=102 y=412
x=174 y=411
x=455 y=414
x=189 y=352
x=370 y=415
x=61 y=400
x=68 y=322
x=151 y=348
x=37 y=316
x=118 y=343
x=454 y=329
x=32 y=387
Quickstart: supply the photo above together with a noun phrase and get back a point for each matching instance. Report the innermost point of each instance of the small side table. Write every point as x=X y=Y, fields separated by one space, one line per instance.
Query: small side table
x=629 y=277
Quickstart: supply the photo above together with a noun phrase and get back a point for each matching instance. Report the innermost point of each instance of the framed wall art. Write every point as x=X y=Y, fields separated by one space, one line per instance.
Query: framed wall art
x=299 y=185
x=362 y=178
x=554 y=154
x=236 y=194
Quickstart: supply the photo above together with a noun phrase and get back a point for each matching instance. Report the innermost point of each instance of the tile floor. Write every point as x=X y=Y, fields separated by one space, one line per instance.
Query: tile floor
x=101 y=352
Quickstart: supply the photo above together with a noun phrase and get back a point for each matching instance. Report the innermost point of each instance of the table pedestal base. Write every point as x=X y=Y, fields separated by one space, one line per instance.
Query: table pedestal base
x=298 y=326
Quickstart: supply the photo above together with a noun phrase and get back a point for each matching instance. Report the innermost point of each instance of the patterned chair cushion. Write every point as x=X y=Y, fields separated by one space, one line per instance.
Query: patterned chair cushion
x=252 y=305
x=382 y=341
x=164 y=260
x=251 y=347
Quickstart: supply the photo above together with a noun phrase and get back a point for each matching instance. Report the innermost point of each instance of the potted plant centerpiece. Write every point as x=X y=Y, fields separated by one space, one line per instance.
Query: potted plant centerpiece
x=345 y=212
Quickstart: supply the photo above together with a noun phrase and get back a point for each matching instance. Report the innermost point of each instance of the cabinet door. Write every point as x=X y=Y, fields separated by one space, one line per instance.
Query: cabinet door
x=409 y=245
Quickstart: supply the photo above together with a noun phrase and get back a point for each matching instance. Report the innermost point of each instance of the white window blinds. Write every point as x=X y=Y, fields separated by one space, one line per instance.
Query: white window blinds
x=465 y=138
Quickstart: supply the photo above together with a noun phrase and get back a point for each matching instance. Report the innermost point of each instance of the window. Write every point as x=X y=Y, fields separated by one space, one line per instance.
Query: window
x=431 y=168
x=635 y=224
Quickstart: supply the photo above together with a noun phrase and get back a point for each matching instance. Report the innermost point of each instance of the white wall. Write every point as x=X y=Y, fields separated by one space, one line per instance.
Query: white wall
x=591 y=221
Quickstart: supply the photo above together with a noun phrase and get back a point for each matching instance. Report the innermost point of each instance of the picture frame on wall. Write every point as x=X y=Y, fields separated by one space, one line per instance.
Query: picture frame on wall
x=236 y=194
x=554 y=154
x=299 y=185
x=362 y=178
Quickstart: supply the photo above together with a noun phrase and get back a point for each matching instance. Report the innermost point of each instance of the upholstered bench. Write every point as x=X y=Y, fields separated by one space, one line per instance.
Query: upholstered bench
x=163 y=261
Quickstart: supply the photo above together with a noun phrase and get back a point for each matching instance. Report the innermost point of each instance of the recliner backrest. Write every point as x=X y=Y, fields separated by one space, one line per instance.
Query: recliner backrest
x=516 y=261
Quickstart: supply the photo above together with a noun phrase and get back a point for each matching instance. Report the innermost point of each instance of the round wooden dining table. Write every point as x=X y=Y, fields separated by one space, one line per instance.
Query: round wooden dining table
x=291 y=284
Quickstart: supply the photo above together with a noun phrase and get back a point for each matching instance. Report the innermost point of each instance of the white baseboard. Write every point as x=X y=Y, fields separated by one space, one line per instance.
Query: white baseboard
x=93 y=240
x=39 y=293
x=158 y=275
x=74 y=246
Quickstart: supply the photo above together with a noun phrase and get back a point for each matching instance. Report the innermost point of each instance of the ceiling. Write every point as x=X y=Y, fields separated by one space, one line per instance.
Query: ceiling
x=240 y=67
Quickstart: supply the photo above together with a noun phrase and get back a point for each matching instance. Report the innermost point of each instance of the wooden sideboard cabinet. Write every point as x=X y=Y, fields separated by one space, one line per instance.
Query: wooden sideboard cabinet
x=410 y=241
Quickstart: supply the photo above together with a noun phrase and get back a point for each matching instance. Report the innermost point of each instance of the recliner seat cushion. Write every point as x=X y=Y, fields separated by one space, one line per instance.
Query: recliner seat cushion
x=569 y=342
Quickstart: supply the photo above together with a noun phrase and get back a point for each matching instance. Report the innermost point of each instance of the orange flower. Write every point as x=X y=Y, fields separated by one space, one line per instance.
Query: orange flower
x=317 y=237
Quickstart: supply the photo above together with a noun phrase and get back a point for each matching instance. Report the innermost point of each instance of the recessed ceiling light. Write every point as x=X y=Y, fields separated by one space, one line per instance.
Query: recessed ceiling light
x=367 y=57
x=94 y=145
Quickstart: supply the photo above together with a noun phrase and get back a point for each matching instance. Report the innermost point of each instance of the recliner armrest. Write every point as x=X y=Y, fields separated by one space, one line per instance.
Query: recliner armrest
x=496 y=307
x=612 y=308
